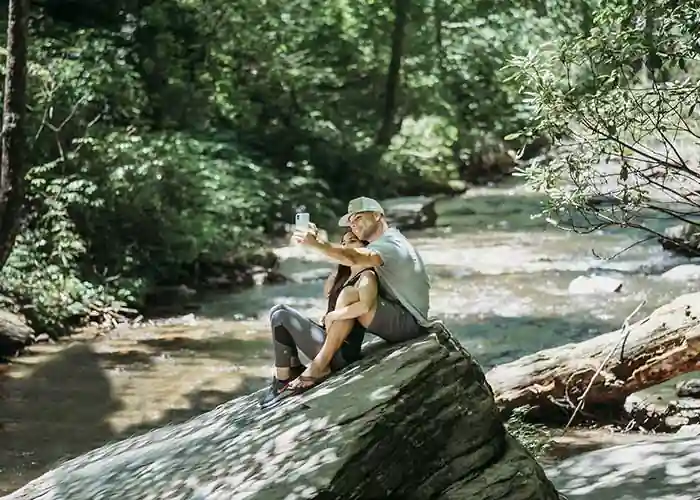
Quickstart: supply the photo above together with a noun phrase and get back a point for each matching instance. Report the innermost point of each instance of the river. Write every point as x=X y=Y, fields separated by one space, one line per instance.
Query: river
x=500 y=282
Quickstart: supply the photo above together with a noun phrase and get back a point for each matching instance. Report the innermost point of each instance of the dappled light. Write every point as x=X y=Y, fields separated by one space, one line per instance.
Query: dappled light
x=386 y=426
x=666 y=470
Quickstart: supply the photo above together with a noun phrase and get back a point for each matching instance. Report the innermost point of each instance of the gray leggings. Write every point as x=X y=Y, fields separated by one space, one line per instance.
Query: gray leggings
x=293 y=332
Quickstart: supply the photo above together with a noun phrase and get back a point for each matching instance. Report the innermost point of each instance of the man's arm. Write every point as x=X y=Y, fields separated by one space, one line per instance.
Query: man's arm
x=349 y=256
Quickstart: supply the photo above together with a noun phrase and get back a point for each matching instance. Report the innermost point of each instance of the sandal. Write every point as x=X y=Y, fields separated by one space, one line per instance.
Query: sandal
x=308 y=383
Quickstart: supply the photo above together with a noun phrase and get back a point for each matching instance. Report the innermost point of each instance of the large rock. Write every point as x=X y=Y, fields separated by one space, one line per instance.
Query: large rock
x=661 y=470
x=684 y=272
x=683 y=239
x=14 y=334
x=414 y=421
x=688 y=388
x=586 y=285
x=412 y=212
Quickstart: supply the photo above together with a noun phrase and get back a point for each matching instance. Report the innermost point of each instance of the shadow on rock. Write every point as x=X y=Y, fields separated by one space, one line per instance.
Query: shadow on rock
x=57 y=412
x=666 y=470
x=413 y=421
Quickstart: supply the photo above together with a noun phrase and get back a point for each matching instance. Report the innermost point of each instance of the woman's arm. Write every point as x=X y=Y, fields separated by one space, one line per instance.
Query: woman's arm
x=367 y=289
x=329 y=283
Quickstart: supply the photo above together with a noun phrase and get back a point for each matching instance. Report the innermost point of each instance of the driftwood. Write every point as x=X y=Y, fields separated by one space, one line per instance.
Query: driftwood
x=414 y=421
x=551 y=382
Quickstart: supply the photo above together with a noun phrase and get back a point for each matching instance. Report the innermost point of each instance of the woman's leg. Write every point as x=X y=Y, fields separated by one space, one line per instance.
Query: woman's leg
x=329 y=351
x=291 y=327
x=285 y=349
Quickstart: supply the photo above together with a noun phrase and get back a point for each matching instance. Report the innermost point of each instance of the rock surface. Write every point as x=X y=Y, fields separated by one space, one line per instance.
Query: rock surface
x=413 y=212
x=414 y=421
x=661 y=470
x=688 y=388
x=594 y=284
x=684 y=272
x=683 y=239
x=14 y=334
x=660 y=416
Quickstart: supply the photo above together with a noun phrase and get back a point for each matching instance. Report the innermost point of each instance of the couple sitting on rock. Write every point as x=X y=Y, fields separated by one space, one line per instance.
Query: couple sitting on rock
x=381 y=286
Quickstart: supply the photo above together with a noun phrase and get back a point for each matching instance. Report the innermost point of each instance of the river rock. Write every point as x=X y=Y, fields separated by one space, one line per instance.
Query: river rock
x=684 y=272
x=688 y=388
x=666 y=469
x=683 y=239
x=15 y=335
x=413 y=212
x=692 y=430
x=412 y=421
x=594 y=284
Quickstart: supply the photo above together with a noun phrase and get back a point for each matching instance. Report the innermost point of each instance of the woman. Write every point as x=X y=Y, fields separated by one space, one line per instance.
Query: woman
x=292 y=332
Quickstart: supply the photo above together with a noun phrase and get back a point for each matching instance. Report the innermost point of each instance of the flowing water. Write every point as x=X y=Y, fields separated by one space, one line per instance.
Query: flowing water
x=500 y=282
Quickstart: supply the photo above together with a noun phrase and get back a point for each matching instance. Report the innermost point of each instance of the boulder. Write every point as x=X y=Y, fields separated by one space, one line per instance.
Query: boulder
x=684 y=272
x=683 y=239
x=667 y=469
x=411 y=421
x=586 y=285
x=413 y=212
x=15 y=335
x=688 y=388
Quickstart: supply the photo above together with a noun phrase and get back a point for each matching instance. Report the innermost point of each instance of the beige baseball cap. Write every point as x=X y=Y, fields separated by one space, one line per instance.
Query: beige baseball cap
x=361 y=204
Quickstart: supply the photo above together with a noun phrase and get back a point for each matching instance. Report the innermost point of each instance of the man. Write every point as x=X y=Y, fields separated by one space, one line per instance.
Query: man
x=400 y=310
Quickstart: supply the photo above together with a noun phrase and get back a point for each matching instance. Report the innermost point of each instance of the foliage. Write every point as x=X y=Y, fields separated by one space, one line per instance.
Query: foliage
x=167 y=135
x=535 y=438
x=621 y=100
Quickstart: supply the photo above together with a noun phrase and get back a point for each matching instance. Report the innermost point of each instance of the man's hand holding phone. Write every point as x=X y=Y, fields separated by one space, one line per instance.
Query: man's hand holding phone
x=307 y=236
x=305 y=232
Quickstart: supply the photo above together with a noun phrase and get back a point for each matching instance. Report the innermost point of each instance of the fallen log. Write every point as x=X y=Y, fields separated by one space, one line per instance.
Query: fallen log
x=414 y=421
x=551 y=382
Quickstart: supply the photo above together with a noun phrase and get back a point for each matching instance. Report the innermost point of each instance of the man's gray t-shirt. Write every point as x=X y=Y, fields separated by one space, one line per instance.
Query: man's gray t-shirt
x=403 y=275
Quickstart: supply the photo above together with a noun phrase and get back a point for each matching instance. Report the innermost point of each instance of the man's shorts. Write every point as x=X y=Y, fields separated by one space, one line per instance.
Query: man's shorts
x=393 y=323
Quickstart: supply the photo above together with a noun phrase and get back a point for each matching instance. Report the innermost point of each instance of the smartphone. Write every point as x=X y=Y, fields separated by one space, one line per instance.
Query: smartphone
x=302 y=221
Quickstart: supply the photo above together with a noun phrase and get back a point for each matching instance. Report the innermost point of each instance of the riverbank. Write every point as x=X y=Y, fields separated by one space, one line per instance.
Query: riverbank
x=501 y=281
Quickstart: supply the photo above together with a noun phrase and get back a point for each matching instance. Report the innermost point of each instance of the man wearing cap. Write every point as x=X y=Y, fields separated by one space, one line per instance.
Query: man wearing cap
x=401 y=308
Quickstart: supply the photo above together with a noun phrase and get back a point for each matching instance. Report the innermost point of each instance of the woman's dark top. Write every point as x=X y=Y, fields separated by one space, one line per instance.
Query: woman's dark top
x=352 y=347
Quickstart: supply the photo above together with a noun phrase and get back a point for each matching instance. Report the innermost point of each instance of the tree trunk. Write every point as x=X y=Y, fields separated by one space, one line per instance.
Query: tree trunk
x=415 y=421
x=12 y=167
x=393 y=78
x=550 y=383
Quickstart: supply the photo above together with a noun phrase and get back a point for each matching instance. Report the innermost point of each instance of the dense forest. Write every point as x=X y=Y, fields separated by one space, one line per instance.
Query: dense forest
x=165 y=138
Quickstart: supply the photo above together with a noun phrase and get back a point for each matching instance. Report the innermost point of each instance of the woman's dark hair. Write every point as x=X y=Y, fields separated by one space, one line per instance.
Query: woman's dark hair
x=342 y=273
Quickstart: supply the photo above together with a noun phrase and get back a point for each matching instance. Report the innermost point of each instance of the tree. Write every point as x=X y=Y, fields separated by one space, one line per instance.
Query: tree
x=12 y=139
x=622 y=103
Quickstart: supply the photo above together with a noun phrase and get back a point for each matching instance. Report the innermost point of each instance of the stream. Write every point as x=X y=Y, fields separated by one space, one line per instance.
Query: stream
x=500 y=282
